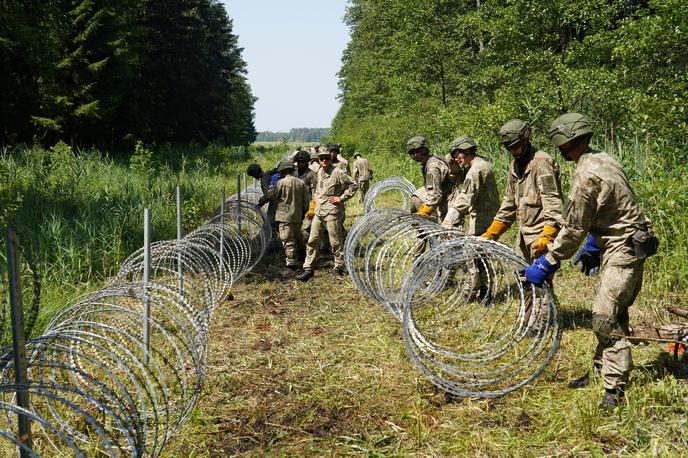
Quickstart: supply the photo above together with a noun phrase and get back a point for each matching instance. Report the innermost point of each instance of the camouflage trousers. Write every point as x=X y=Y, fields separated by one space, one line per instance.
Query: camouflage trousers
x=619 y=286
x=335 y=230
x=363 y=187
x=288 y=234
x=535 y=311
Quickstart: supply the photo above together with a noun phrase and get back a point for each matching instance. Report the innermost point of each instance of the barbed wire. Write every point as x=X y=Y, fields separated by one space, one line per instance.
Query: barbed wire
x=471 y=324
x=98 y=383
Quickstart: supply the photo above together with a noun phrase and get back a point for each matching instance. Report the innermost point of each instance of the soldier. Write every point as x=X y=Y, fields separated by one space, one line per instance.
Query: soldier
x=338 y=160
x=314 y=165
x=477 y=196
x=620 y=238
x=479 y=199
x=456 y=171
x=291 y=199
x=334 y=187
x=266 y=179
x=436 y=184
x=309 y=178
x=533 y=197
x=362 y=174
x=533 y=194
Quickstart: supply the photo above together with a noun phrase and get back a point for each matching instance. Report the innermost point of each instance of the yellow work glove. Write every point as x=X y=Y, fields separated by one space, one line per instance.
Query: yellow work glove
x=496 y=229
x=425 y=210
x=311 y=210
x=539 y=247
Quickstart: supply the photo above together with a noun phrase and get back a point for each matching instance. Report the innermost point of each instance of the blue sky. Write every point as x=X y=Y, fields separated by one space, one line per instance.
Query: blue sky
x=293 y=51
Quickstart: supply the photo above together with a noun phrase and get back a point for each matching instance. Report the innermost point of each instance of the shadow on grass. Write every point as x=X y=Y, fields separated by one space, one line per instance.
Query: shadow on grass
x=575 y=319
x=664 y=364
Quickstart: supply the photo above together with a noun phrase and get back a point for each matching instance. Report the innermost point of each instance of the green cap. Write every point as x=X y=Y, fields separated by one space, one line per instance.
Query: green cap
x=464 y=142
x=567 y=127
x=285 y=164
x=512 y=131
x=416 y=142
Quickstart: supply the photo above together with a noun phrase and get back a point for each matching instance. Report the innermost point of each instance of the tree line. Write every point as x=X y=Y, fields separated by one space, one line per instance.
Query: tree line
x=445 y=66
x=110 y=72
x=301 y=134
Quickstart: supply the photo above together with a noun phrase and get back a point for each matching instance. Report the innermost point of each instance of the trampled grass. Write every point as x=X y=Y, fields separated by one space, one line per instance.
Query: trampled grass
x=316 y=369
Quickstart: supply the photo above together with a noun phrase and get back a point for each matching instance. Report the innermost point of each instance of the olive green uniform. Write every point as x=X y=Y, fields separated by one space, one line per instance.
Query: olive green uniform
x=532 y=197
x=291 y=203
x=362 y=175
x=438 y=186
x=477 y=197
x=602 y=203
x=334 y=182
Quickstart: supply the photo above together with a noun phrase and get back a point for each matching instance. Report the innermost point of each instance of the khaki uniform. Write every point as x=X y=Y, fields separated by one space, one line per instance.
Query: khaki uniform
x=456 y=172
x=314 y=166
x=264 y=186
x=477 y=197
x=602 y=203
x=329 y=216
x=291 y=198
x=341 y=160
x=362 y=175
x=437 y=184
x=310 y=179
x=532 y=197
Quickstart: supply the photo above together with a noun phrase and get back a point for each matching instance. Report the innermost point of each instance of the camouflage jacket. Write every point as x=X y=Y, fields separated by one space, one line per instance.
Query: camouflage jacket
x=456 y=172
x=333 y=183
x=478 y=197
x=291 y=199
x=362 y=170
x=534 y=198
x=309 y=178
x=602 y=203
x=437 y=184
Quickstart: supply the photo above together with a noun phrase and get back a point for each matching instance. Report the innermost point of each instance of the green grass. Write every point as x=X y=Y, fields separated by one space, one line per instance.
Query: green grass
x=315 y=369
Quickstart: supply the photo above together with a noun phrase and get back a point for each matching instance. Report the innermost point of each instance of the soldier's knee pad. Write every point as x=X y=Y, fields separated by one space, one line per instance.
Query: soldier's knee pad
x=605 y=325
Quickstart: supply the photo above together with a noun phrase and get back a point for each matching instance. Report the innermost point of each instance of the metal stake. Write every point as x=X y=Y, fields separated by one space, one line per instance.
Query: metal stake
x=180 y=282
x=18 y=340
x=239 y=200
x=146 y=279
x=222 y=229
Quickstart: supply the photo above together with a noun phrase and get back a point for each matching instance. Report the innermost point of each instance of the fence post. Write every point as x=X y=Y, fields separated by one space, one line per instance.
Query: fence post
x=239 y=200
x=222 y=230
x=146 y=280
x=18 y=340
x=180 y=282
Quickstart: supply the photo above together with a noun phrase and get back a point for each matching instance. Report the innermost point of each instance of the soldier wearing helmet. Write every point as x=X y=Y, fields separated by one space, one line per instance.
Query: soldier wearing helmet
x=436 y=183
x=602 y=206
x=265 y=178
x=314 y=165
x=533 y=194
x=309 y=178
x=362 y=174
x=291 y=198
x=333 y=188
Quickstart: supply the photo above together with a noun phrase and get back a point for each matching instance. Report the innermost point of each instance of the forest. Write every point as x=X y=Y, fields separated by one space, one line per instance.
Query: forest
x=302 y=134
x=107 y=73
x=441 y=67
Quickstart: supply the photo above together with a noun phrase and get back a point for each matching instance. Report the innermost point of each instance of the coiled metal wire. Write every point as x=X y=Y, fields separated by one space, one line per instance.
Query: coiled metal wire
x=392 y=192
x=98 y=385
x=471 y=324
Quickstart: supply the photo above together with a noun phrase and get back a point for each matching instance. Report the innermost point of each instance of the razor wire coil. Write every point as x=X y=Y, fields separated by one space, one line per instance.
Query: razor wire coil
x=471 y=323
x=97 y=386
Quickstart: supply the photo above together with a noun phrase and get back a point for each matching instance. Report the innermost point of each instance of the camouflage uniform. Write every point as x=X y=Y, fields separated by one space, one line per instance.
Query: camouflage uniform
x=310 y=179
x=477 y=196
x=291 y=202
x=328 y=216
x=265 y=179
x=533 y=197
x=602 y=203
x=437 y=184
x=362 y=175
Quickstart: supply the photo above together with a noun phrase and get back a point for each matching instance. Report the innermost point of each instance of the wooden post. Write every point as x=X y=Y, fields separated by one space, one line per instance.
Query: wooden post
x=18 y=339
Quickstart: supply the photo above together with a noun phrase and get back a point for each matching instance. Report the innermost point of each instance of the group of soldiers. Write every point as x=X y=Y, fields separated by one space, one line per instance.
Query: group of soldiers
x=601 y=213
x=307 y=193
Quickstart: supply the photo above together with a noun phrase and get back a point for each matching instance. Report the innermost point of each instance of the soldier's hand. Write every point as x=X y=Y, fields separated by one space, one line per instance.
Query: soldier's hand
x=334 y=200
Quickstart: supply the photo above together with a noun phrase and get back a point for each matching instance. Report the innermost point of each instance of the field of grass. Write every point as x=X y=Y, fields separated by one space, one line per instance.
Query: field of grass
x=315 y=369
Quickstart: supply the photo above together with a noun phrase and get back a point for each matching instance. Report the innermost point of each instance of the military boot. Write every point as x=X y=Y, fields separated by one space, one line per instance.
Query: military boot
x=306 y=275
x=612 y=398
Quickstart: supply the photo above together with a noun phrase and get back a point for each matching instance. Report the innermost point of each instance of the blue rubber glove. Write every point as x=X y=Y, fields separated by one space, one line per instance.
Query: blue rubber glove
x=589 y=257
x=273 y=181
x=538 y=272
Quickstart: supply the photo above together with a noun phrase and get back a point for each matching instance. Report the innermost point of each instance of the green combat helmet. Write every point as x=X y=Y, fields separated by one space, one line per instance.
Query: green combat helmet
x=464 y=143
x=303 y=156
x=314 y=155
x=416 y=142
x=513 y=131
x=567 y=127
x=284 y=165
